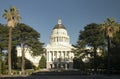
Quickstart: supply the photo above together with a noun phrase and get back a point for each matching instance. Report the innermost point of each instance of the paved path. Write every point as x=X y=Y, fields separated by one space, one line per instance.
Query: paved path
x=65 y=77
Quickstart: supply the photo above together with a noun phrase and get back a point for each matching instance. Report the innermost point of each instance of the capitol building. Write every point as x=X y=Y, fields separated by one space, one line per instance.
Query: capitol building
x=59 y=50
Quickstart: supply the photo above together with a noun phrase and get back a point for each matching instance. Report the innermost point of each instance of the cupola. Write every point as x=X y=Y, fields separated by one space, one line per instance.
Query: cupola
x=59 y=35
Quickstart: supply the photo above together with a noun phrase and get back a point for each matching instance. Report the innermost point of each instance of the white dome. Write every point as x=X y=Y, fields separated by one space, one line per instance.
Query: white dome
x=59 y=35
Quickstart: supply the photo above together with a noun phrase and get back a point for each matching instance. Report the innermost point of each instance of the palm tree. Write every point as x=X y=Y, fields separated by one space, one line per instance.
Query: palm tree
x=12 y=16
x=110 y=28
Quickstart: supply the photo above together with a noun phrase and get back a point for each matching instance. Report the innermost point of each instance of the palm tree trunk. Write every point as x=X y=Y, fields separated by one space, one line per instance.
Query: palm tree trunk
x=9 y=51
x=108 y=56
x=23 y=59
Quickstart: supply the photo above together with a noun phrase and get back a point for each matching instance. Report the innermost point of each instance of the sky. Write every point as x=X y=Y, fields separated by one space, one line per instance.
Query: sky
x=43 y=15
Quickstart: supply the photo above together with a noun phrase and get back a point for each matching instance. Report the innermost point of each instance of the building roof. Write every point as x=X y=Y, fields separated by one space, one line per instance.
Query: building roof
x=59 y=25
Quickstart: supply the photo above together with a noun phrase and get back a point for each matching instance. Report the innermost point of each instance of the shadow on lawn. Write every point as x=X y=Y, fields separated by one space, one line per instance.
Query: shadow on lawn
x=46 y=75
x=60 y=75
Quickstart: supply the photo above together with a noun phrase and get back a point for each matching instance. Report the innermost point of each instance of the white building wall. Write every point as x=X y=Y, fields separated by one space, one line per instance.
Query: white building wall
x=34 y=59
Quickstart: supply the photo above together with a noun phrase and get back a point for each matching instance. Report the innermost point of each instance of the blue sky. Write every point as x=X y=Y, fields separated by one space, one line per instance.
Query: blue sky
x=42 y=15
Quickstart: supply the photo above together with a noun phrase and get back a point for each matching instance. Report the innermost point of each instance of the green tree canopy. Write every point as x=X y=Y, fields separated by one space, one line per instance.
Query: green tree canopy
x=29 y=37
x=42 y=63
x=90 y=36
x=3 y=37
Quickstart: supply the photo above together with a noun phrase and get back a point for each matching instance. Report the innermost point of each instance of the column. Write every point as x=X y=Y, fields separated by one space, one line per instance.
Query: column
x=62 y=39
x=55 y=39
x=68 y=54
x=53 y=55
x=57 y=54
x=66 y=66
x=64 y=55
x=47 y=55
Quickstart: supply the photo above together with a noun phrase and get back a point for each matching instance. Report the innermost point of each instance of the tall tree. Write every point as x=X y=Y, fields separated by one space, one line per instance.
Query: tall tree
x=91 y=36
x=28 y=37
x=110 y=28
x=42 y=62
x=12 y=16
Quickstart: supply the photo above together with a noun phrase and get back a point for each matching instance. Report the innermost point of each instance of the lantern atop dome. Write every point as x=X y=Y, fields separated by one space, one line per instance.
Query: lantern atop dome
x=59 y=21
